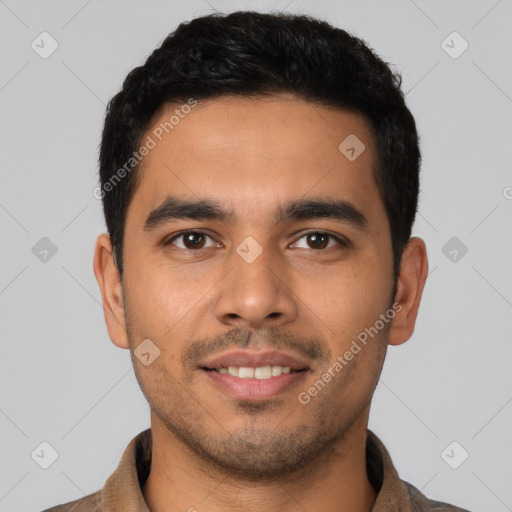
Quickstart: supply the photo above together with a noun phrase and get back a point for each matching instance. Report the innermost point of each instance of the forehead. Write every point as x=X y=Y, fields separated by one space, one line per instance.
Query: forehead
x=253 y=153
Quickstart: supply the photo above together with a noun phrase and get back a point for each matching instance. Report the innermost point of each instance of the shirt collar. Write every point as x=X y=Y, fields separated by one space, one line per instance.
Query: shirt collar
x=123 y=489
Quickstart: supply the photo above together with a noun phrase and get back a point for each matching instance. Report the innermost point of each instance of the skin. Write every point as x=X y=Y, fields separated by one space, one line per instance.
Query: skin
x=211 y=451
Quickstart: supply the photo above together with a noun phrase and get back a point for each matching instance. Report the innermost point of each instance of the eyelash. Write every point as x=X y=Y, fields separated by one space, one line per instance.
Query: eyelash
x=342 y=242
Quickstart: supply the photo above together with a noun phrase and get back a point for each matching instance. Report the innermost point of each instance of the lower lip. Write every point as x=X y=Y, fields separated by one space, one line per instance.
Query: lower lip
x=254 y=389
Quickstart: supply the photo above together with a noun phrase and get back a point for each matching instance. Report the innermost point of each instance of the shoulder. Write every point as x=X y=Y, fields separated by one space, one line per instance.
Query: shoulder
x=420 y=503
x=90 y=503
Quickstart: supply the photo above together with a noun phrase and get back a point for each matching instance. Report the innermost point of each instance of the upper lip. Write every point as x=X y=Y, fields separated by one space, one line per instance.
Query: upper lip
x=254 y=359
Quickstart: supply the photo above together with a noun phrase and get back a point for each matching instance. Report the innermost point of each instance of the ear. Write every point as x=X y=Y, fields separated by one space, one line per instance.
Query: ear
x=410 y=284
x=107 y=275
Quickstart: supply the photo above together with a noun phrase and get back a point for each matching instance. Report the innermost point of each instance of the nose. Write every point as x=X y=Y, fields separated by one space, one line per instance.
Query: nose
x=256 y=295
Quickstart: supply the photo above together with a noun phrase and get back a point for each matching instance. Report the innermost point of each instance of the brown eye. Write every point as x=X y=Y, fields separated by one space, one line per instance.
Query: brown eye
x=191 y=240
x=318 y=240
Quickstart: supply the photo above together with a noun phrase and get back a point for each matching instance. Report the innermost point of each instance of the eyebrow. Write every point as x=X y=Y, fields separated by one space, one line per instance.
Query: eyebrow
x=176 y=208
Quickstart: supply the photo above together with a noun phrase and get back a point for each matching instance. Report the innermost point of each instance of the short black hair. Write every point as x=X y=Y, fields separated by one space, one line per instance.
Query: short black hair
x=253 y=54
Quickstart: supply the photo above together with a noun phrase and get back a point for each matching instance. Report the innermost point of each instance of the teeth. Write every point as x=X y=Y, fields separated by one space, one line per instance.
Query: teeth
x=276 y=371
x=263 y=372
x=233 y=370
x=246 y=373
x=260 y=373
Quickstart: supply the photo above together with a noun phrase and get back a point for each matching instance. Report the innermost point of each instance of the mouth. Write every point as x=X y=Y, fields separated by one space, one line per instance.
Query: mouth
x=259 y=373
x=246 y=376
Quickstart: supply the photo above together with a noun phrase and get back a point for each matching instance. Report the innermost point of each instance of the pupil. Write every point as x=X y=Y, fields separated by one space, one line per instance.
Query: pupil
x=192 y=239
x=318 y=240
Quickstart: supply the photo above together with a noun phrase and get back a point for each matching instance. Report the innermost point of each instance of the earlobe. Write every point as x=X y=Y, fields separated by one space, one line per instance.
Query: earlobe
x=410 y=284
x=107 y=275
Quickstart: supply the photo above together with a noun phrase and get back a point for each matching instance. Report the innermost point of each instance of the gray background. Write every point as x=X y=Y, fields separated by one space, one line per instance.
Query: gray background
x=64 y=382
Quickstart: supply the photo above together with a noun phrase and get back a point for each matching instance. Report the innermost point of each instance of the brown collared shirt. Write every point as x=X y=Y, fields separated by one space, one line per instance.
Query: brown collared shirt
x=122 y=491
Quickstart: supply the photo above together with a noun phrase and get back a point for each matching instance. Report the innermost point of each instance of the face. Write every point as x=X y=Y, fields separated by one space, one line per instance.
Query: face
x=281 y=263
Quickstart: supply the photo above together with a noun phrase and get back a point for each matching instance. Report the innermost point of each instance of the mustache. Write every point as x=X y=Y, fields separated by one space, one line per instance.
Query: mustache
x=271 y=338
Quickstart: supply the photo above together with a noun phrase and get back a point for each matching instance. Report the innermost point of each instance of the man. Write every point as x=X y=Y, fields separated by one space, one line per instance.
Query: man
x=259 y=177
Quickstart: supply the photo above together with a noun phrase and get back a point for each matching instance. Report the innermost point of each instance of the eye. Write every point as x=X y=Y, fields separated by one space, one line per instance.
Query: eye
x=191 y=240
x=319 y=240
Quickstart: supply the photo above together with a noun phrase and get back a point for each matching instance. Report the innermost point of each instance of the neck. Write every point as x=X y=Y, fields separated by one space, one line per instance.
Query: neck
x=180 y=480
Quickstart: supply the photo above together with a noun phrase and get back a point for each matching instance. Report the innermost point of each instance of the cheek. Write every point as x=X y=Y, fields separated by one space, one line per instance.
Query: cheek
x=348 y=301
x=158 y=299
